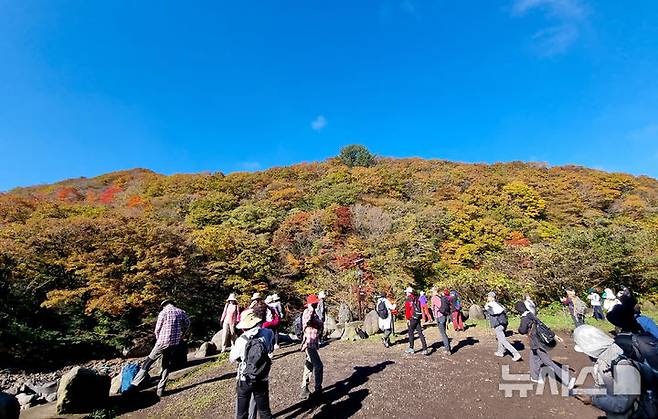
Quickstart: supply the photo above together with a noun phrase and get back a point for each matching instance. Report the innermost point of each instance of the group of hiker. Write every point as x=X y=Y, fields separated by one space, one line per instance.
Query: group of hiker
x=251 y=334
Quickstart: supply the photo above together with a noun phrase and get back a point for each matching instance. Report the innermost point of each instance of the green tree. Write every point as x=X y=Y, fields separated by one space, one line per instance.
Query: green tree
x=356 y=155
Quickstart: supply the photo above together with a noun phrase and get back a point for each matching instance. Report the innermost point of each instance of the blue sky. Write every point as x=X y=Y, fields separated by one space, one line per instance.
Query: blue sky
x=88 y=87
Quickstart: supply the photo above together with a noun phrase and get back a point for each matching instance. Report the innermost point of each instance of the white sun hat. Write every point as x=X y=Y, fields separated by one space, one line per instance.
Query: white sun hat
x=591 y=340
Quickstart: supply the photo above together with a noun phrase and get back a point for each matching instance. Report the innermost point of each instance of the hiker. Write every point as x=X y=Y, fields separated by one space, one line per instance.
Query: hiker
x=385 y=317
x=230 y=317
x=312 y=328
x=456 y=311
x=647 y=324
x=624 y=395
x=268 y=314
x=530 y=305
x=609 y=299
x=252 y=349
x=321 y=311
x=576 y=307
x=413 y=314
x=171 y=327
x=595 y=301
x=538 y=354
x=255 y=299
x=622 y=315
x=276 y=309
x=441 y=309
x=498 y=320
x=424 y=308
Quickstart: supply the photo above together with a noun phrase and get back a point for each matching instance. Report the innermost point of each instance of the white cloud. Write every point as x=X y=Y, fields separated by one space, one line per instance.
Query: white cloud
x=319 y=123
x=568 y=17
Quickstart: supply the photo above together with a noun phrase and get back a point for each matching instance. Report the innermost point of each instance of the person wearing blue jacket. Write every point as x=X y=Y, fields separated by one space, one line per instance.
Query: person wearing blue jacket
x=647 y=324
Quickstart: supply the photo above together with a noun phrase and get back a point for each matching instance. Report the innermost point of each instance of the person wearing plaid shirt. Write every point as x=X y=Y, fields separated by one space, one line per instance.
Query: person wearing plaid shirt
x=313 y=327
x=170 y=328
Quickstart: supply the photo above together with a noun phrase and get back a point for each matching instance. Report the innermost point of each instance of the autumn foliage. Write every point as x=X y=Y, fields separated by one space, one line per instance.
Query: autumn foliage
x=84 y=263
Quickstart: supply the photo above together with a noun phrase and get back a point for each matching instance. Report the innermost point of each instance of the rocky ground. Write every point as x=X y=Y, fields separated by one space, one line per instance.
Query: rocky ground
x=364 y=379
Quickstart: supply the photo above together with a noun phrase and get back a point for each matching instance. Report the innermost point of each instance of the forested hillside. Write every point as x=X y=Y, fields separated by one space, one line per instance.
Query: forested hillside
x=85 y=262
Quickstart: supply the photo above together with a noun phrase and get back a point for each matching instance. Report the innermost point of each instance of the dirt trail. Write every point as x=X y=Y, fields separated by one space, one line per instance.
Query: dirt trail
x=364 y=379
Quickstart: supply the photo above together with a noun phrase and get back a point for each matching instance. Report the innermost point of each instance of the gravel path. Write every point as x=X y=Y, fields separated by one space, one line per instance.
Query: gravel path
x=364 y=379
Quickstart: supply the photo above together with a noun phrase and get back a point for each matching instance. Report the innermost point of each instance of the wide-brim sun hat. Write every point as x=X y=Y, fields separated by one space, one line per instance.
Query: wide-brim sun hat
x=275 y=297
x=409 y=290
x=268 y=299
x=491 y=294
x=231 y=297
x=312 y=299
x=256 y=296
x=248 y=320
x=321 y=294
x=591 y=340
x=165 y=302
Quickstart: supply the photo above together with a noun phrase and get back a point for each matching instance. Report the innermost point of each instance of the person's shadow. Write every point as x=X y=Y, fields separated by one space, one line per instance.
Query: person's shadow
x=334 y=393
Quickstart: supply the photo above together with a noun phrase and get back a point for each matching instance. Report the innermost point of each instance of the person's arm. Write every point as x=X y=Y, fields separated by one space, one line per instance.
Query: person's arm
x=158 y=324
x=275 y=319
x=221 y=320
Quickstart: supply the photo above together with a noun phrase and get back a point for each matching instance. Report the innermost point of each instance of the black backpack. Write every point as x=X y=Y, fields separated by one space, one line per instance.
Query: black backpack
x=297 y=323
x=382 y=311
x=445 y=306
x=418 y=312
x=257 y=361
x=544 y=333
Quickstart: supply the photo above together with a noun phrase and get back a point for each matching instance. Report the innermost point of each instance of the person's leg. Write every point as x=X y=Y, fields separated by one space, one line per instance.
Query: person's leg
x=419 y=327
x=500 y=350
x=441 y=321
x=261 y=395
x=243 y=391
x=581 y=320
x=500 y=334
x=308 y=371
x=167 y=358
x=575 y=320
x=156 y=352
x=318 y=368
x=563 y=373
x=387 y=337
x=410 y=332
x=226 y=336
x=535 y=365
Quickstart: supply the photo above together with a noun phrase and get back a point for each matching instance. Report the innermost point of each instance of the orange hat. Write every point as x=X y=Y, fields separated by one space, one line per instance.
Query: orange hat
x=312 y=299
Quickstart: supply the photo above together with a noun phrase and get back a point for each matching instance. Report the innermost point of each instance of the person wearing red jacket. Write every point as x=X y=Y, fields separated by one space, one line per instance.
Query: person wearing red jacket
x=414 y=314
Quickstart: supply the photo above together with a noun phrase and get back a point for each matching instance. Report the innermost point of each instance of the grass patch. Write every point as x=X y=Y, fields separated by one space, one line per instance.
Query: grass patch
x=198 y=372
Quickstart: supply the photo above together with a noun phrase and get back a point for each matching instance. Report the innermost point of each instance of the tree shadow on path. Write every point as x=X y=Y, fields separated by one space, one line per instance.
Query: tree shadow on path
x=330 y=400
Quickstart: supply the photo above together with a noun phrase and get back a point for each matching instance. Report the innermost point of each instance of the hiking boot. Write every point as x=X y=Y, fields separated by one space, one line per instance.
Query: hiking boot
x=448 y=352
x=499 y=354
x=386 y=344
x=304 y=394
x=537 y=380
x=409 y=351
x=516 y=358
x=317 y=392
x=426 y=352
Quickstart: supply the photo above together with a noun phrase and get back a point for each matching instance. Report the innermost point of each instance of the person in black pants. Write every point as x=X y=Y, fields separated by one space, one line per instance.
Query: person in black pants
x=414 y=314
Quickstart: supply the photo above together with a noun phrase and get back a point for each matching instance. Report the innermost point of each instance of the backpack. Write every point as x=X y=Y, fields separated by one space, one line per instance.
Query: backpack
x=445 y=306
x=257 y=361
x=128 y=373
x=382 y=311
x=579 y=306
x=544 y=333
x=417 y=311
x=642 y=352
x=297 y=323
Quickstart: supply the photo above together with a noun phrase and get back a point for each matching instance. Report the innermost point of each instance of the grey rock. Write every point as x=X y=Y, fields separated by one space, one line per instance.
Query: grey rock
x=46 y=389
x=9 y=406
x=115 y=385
x=371 y=323
x=26 y=400
x=465 y=315
x=82 y=390
x=139 y=348
x=217 y=339
x=27 y=388
x=351 y=333
x=344 y=314
x=337 y=334
x=475 y=312
x=206 y=349
x=329 y=324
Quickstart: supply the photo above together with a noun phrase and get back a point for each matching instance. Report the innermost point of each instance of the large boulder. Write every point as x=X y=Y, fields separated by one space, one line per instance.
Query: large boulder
x=648 y=306
x=139 y=348
x=45 y=389
x=82 y=390
x=9 y=406
x=329 y=324
x=344 y=314
x=475 y=312
x=217 y=339
x=27 y=400
x=337 y=334
x=206 y=349
x=371 y=323
x=351 y=333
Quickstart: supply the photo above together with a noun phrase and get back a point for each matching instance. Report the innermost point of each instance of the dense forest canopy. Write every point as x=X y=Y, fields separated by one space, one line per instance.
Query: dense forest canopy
x=85 y=262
